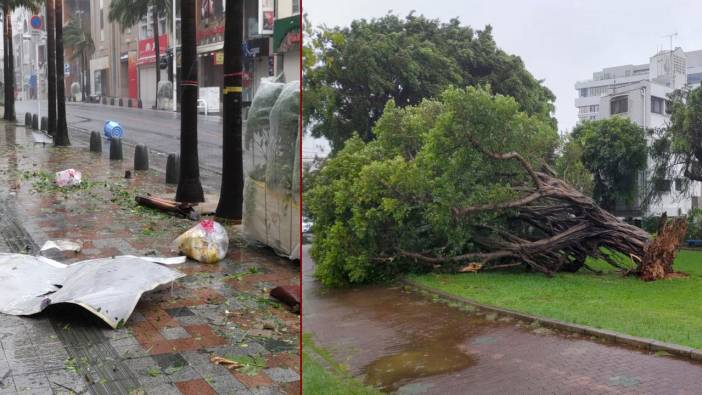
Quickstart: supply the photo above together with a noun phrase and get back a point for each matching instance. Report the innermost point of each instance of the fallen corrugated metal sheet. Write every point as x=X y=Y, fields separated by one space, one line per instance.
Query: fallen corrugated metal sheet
x=108 y=287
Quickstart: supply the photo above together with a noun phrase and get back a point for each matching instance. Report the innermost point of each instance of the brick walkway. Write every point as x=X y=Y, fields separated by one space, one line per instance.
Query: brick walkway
x=165 y=347
x=406 y=343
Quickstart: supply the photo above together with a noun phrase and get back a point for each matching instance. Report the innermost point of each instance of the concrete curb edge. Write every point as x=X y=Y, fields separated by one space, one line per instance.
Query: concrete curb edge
x=612 y=336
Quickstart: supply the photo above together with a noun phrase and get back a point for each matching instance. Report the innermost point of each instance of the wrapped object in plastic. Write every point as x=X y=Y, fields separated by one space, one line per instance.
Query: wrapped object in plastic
x=271 y=169
x=206 y=242
x=68 y=177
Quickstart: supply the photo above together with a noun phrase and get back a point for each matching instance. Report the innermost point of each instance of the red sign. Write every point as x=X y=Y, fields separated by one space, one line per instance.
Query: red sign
x=147 y=49
x=212 y=31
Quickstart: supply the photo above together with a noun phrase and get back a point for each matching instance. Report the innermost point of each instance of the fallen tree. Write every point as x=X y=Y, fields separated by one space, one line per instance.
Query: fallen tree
x=463 y=184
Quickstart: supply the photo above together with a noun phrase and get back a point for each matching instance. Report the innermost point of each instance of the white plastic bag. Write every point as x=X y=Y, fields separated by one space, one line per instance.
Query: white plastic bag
x=68 y=177
x=206 y=242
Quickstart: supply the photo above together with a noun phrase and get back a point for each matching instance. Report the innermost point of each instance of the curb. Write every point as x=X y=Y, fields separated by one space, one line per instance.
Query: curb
x=612 y=336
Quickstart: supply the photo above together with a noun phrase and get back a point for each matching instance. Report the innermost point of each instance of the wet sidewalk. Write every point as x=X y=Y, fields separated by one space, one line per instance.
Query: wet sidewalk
x=165 y=347
x=406 y=343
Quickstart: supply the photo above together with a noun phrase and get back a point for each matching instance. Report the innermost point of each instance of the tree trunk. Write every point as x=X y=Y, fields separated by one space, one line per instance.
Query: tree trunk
x=189 y=187
x=51 y=61
x=553 y=227
x=232 y=190
x=61 y=137
x=657 y=262
x=157 y=50
x=82 y=76
x=10 y=84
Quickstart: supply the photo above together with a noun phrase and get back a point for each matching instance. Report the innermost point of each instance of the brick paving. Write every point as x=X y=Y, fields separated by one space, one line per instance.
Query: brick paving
x=165 y=347
x=406 y=343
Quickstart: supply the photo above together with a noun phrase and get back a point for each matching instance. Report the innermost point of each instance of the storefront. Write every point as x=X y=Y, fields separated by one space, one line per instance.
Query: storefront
x=146 y=68
x=286 y=41
x=99 y=71
x=210 y=47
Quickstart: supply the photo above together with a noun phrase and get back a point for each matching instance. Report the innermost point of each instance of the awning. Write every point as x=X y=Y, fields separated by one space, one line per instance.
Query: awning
x=284 y=26
x=211 y=47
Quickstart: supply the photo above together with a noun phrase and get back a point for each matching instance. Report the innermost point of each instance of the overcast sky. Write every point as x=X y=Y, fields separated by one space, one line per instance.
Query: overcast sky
x=560 y=41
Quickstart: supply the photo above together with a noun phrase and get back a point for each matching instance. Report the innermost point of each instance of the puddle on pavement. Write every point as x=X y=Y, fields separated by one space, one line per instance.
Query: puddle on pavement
x=388 y=336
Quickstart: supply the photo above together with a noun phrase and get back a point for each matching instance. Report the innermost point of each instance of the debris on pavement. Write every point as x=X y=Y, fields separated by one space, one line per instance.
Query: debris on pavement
x=68 y=177
x=206 y=242
x=288 y=294
x=107 y=287
x=184 y=209
x=228 y=363
x=61 y=245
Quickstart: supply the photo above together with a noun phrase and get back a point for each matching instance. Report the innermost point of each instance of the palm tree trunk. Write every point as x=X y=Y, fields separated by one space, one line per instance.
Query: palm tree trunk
x=10 y=84
x=189 y=187
x=232 y=191
x=157 y=49
x=61 y=137
x=51 y=60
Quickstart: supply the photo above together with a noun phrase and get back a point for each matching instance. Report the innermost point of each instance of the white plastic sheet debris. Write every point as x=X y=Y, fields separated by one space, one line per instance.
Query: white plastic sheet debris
x=206 y=242
x=107 y=287
x=61 y=245
x=68 y=177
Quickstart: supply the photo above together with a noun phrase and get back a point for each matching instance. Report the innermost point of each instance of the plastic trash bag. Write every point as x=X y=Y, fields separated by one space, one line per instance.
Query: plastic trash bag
x=206 y=242
x=68 y=177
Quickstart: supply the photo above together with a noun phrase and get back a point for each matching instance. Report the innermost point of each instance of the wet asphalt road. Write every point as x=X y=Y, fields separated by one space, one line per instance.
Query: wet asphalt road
x=159 y=130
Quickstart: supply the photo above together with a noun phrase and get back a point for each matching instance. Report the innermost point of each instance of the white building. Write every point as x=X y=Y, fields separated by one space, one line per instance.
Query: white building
x=639 y=92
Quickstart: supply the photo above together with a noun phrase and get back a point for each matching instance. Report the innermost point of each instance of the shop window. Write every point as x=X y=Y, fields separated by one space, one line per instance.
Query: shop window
x=663 y=185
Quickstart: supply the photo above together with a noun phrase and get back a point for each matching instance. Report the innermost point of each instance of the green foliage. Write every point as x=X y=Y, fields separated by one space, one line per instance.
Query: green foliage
x=350 y=73
x=694 y=224
x=76 y=38
x=372 y=200
x=129 y=12
x=570 y=167
x=614 y=151
x=677 y=149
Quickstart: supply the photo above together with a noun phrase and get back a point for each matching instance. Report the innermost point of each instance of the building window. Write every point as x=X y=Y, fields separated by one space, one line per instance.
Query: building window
x=657 y=105
x=583 y=92
x=678 y=184
x=296 y=6
x=595 y=108
x=663 y=185
x=619 y=105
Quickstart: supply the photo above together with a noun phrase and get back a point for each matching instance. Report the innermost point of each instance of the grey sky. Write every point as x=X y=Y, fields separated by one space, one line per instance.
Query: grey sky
x=559 y=41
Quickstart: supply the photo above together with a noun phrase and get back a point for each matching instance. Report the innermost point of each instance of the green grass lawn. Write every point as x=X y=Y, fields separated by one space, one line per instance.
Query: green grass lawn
x=316 y=379
x=666 y=310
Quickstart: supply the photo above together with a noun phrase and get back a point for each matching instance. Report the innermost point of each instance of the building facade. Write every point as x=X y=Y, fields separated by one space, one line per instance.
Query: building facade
x=640 y=92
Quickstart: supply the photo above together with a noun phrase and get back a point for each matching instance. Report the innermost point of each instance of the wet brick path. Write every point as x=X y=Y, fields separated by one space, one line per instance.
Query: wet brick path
x=407 y=343
x=165 y=347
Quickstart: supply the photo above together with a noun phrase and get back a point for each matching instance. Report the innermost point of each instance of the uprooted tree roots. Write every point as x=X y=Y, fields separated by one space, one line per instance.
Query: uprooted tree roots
x=565 y=227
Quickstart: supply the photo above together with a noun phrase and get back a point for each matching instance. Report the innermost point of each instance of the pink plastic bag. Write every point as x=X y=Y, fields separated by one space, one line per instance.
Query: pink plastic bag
x=67 y=178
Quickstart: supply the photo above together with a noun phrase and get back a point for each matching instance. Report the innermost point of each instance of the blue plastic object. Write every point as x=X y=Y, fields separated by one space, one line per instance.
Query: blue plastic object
x=113 y=129
x=694 y=243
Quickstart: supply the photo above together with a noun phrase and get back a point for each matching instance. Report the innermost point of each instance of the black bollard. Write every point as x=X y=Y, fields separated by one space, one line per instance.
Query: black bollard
x=141 y=157
x=140 y=105
x=129 y=103
x=112 y=101
x=35 y=122
x=115 y=148
x=28 y=119
x=172 y=169
x=44 y=124
x=121 y=104
x=104 y=100
x=95 y=141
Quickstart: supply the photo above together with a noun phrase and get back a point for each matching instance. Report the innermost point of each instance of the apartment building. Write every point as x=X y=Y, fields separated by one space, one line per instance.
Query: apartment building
x=639 y=92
